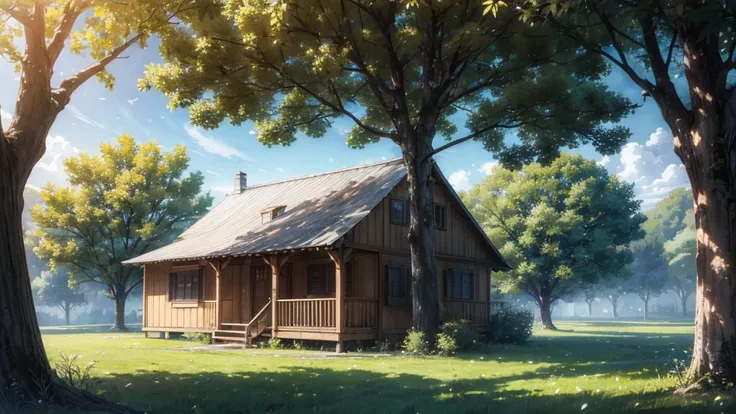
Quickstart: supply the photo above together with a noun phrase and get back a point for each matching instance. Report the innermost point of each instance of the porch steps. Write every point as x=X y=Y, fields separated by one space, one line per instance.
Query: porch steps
x=230 y=336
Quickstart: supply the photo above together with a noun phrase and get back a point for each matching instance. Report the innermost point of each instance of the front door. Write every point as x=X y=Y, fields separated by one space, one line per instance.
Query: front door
x=261 y=290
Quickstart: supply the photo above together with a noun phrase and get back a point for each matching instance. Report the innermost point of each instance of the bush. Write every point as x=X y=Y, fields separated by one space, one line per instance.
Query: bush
x=446 y=345
x=198 y=337
x=415 y=343
x=466 y=337
x=273 y=343
x=511 y=326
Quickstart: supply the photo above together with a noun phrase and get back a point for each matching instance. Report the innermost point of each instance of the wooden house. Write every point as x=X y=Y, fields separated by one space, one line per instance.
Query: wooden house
x=321 y=257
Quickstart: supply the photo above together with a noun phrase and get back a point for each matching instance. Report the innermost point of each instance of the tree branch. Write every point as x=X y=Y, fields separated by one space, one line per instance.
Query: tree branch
x=70 y=84
x=72 y=11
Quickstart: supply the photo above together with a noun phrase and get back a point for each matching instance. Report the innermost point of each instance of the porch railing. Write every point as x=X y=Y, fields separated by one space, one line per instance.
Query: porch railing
x=306 y=313
x=210 y=314
x=361 y=313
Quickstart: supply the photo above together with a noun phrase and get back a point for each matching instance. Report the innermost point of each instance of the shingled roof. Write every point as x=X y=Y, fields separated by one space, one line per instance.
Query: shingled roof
x=320 y=209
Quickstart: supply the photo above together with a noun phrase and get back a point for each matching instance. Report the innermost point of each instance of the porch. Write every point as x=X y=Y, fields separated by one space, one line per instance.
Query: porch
x=328 y=295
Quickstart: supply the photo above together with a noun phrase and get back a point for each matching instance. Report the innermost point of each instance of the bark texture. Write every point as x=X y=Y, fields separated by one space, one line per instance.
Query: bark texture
x=545 y=313
x=120 y=314
x=425 y=299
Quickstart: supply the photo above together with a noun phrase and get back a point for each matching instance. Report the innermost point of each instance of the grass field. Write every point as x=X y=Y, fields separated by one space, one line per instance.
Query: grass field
x=590 y=367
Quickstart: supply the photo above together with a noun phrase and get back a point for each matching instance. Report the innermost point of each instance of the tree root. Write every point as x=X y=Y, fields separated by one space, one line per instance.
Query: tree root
x=70 y=397
x=693 y=388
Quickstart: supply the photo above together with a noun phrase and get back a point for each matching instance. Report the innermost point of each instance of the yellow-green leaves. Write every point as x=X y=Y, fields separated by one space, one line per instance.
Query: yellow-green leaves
x=128 y=200
x=493 y=6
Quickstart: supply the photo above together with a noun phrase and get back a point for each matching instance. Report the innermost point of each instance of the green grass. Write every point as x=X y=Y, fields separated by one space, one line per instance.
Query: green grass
x=611 y=367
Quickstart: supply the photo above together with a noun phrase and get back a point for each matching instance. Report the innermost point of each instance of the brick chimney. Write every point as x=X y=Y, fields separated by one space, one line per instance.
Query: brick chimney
x=241 y=181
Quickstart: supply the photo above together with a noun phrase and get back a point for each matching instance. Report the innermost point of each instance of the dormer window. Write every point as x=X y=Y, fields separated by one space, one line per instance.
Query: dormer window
x=272 y=213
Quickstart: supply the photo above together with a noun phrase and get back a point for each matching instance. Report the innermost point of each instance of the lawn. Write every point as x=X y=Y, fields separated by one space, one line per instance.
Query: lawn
x=590 y=367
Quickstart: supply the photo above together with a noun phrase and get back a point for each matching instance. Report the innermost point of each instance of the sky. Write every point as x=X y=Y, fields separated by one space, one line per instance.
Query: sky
x=97 y=115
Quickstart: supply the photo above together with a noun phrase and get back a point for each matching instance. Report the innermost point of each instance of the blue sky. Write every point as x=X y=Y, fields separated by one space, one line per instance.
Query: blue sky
x=97 y=115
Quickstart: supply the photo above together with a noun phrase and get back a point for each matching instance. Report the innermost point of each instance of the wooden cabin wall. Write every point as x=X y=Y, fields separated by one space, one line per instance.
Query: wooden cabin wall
x=460 y=239
x=398 y=319
x=160 y=313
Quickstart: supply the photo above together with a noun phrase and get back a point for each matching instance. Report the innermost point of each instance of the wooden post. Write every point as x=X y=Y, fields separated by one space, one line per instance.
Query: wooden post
x=381 y=296
x=145 y=299
x=338 y=258
x=276 y=263
x=218 y=268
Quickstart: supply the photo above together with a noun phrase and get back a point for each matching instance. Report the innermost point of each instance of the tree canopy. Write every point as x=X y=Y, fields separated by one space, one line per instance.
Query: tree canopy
x=130 y=199
x=561 y=226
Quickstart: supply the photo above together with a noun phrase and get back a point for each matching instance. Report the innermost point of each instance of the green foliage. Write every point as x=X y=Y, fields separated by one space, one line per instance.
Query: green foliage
x=199 y=337
x=130 y=199
x=446 y=345
x=298 y=345
x=294 y=66
x=464 y=335
x=671 y=215
x=273 y=343
x=560 y=226
x=52 y=289
x=511 y=326
x=415 y=343
x=69 y=369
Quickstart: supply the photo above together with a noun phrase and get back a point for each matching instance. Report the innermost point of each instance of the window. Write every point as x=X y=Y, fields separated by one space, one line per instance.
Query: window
x=185 y=286
x=459 y=284
x=272 y=213
x=440 y=217
x=399 y=212
x=320 y=280
x=398 y=285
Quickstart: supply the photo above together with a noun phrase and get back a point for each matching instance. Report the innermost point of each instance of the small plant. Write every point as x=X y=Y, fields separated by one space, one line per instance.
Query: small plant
x=298 y=345
x=466 y=337
x=415 y=343
x=511 y=326
x=273 y=343
x=198 y=337
x=446 y=345
x=678 y=372
x=69 y=369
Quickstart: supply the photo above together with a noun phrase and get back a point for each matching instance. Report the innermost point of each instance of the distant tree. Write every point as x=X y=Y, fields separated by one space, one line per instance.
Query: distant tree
x=613 y=289
x=588 y=293
x=128 y=200
x=671 y=215
x=649 y=274
x=561 y=226
x=52 y=289
x=398 y=70
x=680 y=252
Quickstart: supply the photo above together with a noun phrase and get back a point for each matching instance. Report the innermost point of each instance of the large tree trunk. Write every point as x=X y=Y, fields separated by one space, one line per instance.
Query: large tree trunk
x=545 y=313
x=120 y=313
x=425 y=300
x=590 y=308
x=23 y=362
x=646 y=309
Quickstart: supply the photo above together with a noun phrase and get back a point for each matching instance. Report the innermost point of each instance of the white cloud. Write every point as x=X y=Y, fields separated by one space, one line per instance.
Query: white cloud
x=279 y=169
x=252 y=132
x=604 y=161
x=50 y=168
x=221 y=189
x=214 y=146
x=487 y=167
x=460 y=180
x=82 y=117
x=331 y=159
x=659 y=137
x=132 y=101
x=652 y=167
x=214 y=173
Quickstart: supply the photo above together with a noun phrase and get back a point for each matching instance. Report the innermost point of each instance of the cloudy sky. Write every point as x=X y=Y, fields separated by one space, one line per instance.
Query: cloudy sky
x=97 y=115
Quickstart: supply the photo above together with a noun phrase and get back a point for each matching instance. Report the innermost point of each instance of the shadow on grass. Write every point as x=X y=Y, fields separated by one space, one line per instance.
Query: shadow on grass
x=299 y=389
